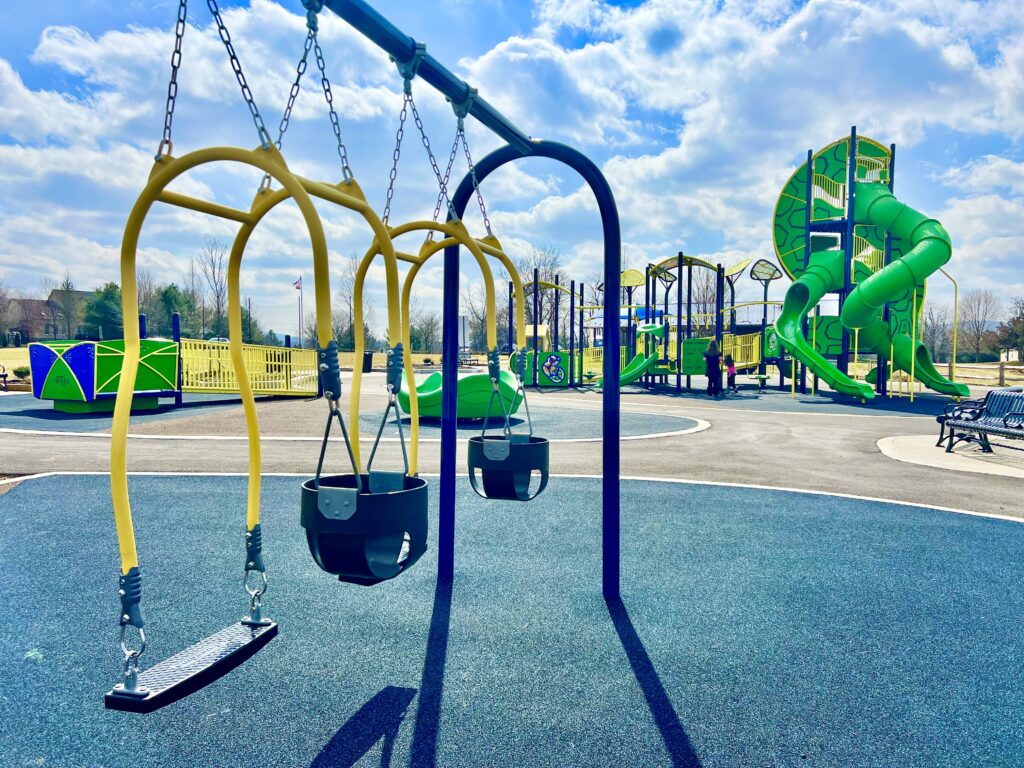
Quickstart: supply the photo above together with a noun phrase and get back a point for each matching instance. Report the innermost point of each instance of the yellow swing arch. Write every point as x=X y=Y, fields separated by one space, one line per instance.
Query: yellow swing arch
x=166 y=170
x=456 y=232
x=346 y=194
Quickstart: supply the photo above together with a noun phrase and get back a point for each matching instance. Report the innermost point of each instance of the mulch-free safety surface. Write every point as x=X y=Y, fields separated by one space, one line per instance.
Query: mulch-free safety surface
x=756 y=628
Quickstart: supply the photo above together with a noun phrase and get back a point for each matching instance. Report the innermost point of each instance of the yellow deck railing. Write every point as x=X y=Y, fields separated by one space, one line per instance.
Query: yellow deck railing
x=206 y=367
x=831 y=191
x=875 y=168
x=593 y=360
x=745 y=349
x=867 y=254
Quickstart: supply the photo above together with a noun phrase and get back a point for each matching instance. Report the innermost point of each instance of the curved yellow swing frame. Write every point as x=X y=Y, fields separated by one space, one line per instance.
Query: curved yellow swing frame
x=164 y=171
x=347 y=194
x=456 y=234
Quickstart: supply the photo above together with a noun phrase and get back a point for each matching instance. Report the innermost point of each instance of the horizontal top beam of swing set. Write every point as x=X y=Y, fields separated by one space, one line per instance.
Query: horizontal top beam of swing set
x=402 y=48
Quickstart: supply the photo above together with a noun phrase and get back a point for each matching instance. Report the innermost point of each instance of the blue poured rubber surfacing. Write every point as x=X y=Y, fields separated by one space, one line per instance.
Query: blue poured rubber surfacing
x=757 y=628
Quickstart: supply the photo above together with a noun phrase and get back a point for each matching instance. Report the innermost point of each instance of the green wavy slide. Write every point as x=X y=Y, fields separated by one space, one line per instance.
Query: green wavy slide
x=921 y=247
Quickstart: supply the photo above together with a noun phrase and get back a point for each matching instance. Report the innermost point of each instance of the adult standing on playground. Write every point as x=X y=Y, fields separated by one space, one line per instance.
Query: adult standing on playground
x=712 y=369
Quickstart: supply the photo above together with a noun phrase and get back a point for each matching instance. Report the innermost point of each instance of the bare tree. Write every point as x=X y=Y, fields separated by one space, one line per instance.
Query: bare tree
x=936 y=332
x=546 y=260
x=5 y=307
x=979 y=311
x=47 y=285
x=67 y=302
x=424 y=329
x=213 y=265
x=149 y=297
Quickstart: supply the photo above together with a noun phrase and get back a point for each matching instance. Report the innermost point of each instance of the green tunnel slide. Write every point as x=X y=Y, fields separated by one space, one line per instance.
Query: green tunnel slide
x=926 y=248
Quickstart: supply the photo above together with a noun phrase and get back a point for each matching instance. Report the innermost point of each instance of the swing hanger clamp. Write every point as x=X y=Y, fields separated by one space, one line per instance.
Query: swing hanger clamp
x=410 y=67
x=462 y=108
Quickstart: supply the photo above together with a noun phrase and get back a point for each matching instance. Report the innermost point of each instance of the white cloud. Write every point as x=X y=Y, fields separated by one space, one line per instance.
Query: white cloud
x=989 y=173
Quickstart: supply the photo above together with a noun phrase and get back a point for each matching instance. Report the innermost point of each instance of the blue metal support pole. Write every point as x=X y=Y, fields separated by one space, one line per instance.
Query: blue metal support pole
x=449 y=415
x=176 y=337
x=630 y=336
x=851 y=184
x=882 y=377
x=719 y=315
x=572 y=333
x=511 y=323
x=610 y=459
x=142 y=326
x=689 y=309
x=583 y=335
x=536 y=319
x=647 y=319
x=809 y=208
x=679 y=327
x=554 y=331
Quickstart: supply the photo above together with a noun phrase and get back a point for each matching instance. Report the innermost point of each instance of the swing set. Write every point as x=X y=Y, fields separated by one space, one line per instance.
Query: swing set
x=368 y=525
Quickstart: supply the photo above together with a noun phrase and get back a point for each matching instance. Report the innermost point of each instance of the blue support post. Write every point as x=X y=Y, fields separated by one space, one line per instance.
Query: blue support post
x=611 y=231
x=511 y=323
x=449 y=414
x=719 y=314
x=647 y=318
x=851 y=184
x=809 y=208
x=583 y=336
x=689 y=310
x=572 y=333
x=142 y=326
x=554 y=333
x=679 y=327
x=536 y=319
x=176 y=337
x=882 y=375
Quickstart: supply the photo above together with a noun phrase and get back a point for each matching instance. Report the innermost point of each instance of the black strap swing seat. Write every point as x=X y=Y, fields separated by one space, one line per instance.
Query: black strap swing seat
x=369 y=527
x=506 y=463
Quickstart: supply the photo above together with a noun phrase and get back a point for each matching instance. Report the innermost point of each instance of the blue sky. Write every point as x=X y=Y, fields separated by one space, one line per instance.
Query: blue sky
x=697 y=112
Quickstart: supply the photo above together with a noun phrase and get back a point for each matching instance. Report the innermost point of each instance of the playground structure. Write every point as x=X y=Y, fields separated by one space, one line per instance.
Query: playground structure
x=369 y=525
x=656 y=334
x=83 y=376
x=838 y=229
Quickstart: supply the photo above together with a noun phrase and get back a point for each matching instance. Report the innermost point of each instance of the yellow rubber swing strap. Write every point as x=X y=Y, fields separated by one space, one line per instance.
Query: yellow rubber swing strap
x=454 y=230
x=164 y=171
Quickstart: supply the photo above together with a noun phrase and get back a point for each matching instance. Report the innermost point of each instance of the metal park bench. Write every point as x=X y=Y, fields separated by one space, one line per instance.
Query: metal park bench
x=3 y=378
x=1000 y=413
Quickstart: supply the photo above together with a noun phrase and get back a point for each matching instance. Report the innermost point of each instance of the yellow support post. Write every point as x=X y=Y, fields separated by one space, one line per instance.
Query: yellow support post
x=913 y=338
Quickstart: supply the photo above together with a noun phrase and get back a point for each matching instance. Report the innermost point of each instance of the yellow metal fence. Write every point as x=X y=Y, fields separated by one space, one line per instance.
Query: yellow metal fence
x=206 y=367
x=745 y=350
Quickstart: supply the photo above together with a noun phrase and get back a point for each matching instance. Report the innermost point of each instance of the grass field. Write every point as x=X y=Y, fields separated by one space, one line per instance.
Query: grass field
x=13 y=357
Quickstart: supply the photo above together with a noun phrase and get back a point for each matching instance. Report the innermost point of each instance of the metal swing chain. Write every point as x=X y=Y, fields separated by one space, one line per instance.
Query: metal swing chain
x=236 y=67
x=447 y=176
x=441 y=181
x=397 y=154
x=476 y=183
x=293 y=94
x=172 y=84
x=346 y=169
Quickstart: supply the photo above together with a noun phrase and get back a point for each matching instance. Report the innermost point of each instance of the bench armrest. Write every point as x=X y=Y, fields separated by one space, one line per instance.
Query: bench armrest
x=966 y=411
x=1014 y=420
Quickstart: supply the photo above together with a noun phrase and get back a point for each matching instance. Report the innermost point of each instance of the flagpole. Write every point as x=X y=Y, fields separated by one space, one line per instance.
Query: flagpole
x=300 y=312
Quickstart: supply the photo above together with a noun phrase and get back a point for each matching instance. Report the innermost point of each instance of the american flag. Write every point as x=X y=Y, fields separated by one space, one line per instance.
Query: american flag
x=298 y=284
